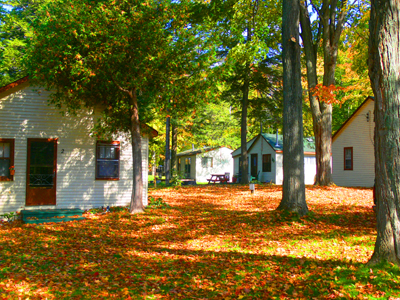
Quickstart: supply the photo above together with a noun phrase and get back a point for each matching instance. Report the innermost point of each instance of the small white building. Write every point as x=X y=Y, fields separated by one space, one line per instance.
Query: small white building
x=199 y=164
x=57 y=163
x=353 y=158
x=265 y=157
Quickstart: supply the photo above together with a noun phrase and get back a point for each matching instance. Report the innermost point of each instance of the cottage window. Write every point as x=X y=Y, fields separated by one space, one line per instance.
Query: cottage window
x=6 y=159
x=207 y=162
x=266 y=163
x=348 y=158
x=107 y=160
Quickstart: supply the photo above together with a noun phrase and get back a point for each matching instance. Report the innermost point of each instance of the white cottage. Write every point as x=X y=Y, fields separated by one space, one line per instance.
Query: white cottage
x=266 y=159
x=199 y=164
x=57 y=163
x=353 y=158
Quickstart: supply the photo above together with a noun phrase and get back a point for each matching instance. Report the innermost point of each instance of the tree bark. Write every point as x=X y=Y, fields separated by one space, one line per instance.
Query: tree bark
x=136 y=204
x=293 y=195
x=243 y=134
x=154 y=164
x=330 y=27
x=174 y=146
x=384 y=73
x=167 y=153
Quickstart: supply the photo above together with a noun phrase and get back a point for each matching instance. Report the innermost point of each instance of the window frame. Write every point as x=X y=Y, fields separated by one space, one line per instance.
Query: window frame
x=265 y=163
x=205 y=162
x=118 y=150
x=12 y=148
x=344 y=158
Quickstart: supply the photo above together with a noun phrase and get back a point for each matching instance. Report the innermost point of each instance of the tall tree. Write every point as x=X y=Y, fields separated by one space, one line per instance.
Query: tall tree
x=242 y=30
x=293 y=193
x=331 y=16
x=384 y=72
x=116 y=55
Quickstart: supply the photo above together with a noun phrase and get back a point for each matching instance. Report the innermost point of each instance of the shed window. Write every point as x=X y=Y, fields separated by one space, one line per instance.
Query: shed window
x=6 y=159
x=207 y=162
x=107 y=160
x=266 y=163
x=348 y=158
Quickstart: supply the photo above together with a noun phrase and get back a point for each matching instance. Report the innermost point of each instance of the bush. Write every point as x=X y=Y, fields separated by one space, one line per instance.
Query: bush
x=157 y=203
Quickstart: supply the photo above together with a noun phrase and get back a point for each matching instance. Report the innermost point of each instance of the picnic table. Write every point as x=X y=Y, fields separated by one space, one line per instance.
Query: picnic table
x=217 y=178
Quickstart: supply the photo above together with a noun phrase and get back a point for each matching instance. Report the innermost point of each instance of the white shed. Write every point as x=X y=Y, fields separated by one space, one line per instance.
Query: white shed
x=265 y=157
x=199 y=164
x=57 y=163
x=353 y=158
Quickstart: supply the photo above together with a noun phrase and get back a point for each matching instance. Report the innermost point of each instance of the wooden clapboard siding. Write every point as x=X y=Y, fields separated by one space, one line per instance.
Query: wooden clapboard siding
x=359 y=134
x=24 y=113
x=222 y=163
x=259 y=145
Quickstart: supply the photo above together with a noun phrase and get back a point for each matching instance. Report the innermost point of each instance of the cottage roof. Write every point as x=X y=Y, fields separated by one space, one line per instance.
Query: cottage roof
x=196 y=151
x=144 y=127
x=309 y=143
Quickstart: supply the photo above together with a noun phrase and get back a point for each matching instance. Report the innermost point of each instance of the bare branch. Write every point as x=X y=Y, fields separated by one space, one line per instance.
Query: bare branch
x=118 y=86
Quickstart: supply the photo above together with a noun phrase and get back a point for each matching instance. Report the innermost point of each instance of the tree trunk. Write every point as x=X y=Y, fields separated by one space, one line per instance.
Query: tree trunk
x=331 y=27
x=167 y=153
x=243 y=134
x=136 y=204
x=154 y=164
x=174 y=146
x=293 y=195
x=384 y=72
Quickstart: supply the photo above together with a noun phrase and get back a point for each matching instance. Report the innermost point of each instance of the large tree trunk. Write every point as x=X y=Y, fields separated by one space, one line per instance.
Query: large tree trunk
x=384 y=72
x=174 y=147
x=293 y=195
x=331 y=27
x=136 y=204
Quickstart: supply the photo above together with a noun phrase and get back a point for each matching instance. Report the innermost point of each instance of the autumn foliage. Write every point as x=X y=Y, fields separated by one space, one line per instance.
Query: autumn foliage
x=328 y=94
x=203 y=242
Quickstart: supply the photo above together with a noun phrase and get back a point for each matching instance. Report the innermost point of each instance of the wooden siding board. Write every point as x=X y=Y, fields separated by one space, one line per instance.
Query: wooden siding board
x=358 y=134
x=25 y=114
x=222 y=163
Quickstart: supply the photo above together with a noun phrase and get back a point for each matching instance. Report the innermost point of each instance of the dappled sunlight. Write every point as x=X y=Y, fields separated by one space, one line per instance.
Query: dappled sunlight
x=209 y=242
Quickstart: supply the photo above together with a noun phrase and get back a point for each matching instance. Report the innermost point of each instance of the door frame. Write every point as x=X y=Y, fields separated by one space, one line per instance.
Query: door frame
x=28 y=161
x=255 y=166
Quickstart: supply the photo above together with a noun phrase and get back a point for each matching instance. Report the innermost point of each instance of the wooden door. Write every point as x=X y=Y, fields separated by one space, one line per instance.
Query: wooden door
x=41 y=174
x=254 y=165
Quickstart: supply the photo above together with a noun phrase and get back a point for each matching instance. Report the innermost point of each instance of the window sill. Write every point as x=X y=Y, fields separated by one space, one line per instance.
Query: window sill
x=7 y=178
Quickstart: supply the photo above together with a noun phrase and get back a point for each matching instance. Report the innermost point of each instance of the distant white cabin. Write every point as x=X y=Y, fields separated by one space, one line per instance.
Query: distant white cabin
x=353 y=158
x=57 y=163
x=199 y=164
x=265 y=157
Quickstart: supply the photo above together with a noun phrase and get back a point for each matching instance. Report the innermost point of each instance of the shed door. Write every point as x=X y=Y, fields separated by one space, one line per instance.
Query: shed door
x=254 y=164
x=41 y=172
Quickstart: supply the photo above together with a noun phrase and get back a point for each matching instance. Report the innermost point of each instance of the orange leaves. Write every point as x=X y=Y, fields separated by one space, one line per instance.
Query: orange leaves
x=327 y=94
x=215 y=242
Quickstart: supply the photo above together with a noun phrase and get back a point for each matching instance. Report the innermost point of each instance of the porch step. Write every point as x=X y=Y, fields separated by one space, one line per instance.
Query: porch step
x=51 y=215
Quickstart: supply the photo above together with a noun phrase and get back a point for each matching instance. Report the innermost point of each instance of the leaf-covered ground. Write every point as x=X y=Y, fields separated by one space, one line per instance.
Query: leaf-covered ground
x=205 y=242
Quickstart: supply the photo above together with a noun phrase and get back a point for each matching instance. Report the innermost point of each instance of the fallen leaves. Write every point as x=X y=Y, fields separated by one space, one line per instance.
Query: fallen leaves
x=203 y=242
